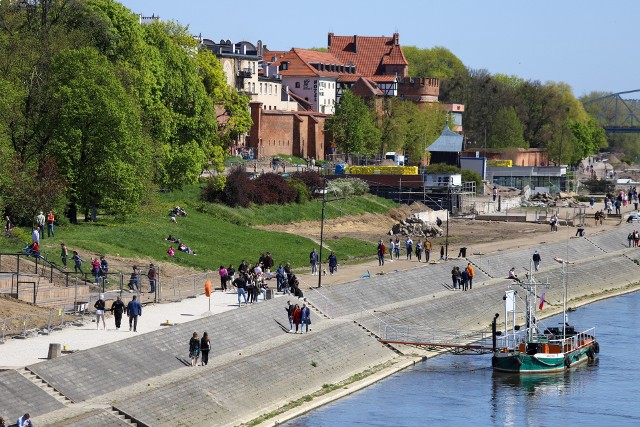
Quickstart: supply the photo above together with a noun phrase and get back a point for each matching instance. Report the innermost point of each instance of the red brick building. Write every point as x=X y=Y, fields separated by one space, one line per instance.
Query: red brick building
x=298 y=133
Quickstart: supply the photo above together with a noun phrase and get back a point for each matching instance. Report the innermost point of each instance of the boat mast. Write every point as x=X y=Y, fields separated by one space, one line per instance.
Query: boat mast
x=564 y=299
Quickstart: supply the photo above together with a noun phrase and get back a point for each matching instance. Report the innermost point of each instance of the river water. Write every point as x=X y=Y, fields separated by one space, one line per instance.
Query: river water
x=452 y=390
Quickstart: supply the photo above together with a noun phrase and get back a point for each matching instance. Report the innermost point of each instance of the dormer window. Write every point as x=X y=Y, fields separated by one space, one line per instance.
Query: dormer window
x=284 y=65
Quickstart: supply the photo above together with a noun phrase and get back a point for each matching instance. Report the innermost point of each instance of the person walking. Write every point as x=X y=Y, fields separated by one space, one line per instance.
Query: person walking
x=134 y=282
x=427 y=250
x=194 y=349
x=313 y=260
x=95 y=268
x=333 y=263
x=63 y=254
x=297 y=317
x=51 y=219
x=152 y=275
x=470 y=274
x=77 y=262
x=392 y=249
x=205 y=346
x=408 y=246
x=280 y=278
x=419 y=250
x=134 y=310
x=104 y=269
x=241 y=282
x=397 y=247
x=100 y=307
x=381 y=250
x=464 y=280
x=41 y=220
x=35 y=235
x=290 y=308
x=536 y=260
x=305 y=317
x=223 y=273
x=117 y=308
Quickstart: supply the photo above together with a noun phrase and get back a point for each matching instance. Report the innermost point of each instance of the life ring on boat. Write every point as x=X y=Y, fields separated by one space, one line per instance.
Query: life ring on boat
x=590 y=353
x=596 y=347
x=567 y=361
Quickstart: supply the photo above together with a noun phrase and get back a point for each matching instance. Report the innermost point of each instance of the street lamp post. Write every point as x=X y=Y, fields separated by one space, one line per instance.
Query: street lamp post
x=324 y=205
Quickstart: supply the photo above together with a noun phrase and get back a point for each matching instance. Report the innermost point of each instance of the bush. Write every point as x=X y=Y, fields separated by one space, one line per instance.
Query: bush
x=345 y=187
x=239 y=188
x=470 y=176
x=312 y=180
x=271 y=188
x=213 y=189
x=302 y=194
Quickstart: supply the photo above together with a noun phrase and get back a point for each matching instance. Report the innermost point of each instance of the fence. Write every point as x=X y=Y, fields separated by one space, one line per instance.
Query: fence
x=24 y=325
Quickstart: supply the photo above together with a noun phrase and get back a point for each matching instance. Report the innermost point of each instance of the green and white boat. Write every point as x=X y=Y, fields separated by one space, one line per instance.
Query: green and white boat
x=532 y=350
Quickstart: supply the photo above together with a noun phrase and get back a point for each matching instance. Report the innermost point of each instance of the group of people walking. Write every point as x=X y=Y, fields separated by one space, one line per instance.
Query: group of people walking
x=133 y=310
x=199 y=348
x=462 y=279
x=298 y=317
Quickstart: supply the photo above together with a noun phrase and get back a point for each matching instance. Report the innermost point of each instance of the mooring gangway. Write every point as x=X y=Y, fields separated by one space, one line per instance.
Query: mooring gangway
x=454 y=341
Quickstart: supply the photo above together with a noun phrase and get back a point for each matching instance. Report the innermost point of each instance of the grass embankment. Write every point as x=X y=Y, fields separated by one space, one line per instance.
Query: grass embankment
x=217 y=233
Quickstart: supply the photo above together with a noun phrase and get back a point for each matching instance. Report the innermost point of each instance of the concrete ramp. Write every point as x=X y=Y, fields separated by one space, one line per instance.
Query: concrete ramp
x=101 y=370
x=295 y=365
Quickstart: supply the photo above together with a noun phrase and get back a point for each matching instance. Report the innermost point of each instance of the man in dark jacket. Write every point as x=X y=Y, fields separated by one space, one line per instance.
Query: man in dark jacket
x=241 y=283
x=134 y=309
x=290 y=308
x=117 y=308
x=536 y=260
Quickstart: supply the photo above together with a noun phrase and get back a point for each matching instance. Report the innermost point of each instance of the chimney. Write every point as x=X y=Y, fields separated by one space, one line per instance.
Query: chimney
x=259 y=47
x=396 y=39
x=329 y=40
x=355 y=43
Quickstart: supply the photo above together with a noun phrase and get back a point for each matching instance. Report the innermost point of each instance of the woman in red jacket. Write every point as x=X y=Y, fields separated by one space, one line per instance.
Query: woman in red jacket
x=297 y=317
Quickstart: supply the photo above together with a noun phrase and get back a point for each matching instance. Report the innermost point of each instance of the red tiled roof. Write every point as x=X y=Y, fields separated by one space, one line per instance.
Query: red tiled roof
x=300 y=63
x=365 y=87
x=383 y=79
x=371 y=52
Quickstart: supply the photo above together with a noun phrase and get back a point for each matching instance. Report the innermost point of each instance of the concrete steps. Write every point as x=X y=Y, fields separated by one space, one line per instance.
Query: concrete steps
x=43 y=385
x=124 y=418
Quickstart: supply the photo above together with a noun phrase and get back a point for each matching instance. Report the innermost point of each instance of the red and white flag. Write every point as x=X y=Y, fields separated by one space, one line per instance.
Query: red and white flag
x=541 y=301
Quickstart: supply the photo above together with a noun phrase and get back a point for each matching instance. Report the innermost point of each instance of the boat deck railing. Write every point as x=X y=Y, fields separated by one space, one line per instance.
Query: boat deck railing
x=570 y=343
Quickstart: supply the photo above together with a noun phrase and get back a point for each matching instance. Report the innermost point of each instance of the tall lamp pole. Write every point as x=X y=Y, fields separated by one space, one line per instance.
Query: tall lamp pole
x=324 y=205
x=446 y=239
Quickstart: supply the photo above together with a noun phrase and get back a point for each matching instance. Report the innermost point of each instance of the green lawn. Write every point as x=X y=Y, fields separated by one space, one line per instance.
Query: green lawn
x=218 y=234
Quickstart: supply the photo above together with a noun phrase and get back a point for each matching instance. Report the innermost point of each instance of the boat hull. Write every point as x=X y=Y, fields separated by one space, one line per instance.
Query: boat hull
x=521 y=363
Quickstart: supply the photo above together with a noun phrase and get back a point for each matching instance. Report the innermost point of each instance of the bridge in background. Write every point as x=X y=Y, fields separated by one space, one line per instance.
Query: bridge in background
x=616 y=114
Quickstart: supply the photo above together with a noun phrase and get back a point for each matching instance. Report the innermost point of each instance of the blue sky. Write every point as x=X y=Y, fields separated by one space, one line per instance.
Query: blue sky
x=591 y=45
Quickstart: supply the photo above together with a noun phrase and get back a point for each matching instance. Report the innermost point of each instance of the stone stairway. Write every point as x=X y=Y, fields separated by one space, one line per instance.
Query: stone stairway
x=43 y=385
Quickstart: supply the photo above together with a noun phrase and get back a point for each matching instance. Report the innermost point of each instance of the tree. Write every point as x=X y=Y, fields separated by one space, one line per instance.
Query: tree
x=96 y=134
x=406 y=128
x=353 y=125
x=436 y=62
x=506 y=130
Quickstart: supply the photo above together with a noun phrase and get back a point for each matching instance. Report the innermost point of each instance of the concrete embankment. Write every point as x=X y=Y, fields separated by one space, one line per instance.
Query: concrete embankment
x=257 y=368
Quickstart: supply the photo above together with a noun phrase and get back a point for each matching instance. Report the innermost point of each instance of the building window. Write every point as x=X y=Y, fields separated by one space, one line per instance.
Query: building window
x=284 y=66
x=275 y=89
x=248 y=86
x=260 y=88
x=253 y=88
x=297 y=85
x=270 y=89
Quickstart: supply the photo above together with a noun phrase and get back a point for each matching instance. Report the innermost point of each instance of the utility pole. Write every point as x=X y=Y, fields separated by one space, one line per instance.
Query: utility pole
x=324 y=205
